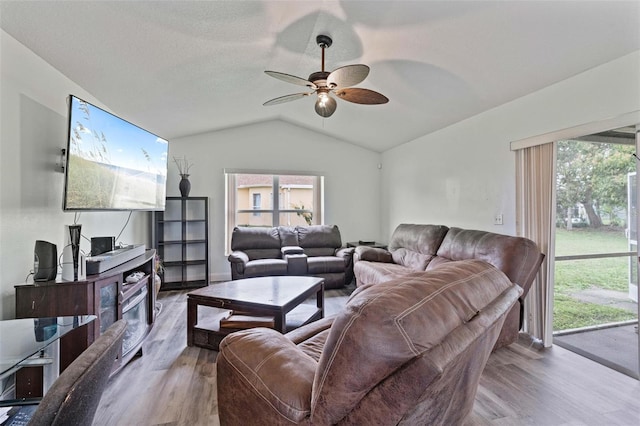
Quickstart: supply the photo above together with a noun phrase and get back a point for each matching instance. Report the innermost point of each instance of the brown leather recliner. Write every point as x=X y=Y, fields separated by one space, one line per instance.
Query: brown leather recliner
x=408 y=351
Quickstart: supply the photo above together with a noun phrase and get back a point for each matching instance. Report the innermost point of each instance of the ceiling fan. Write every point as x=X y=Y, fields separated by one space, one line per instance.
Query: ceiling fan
x=324 y=83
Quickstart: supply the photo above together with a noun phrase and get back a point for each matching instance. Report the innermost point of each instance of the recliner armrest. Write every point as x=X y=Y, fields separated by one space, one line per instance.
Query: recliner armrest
x=291 y=250
x=310 y=330
x=345 y=252
x=261 y=365
x=238 y=257
x=372 y=254
x=238 y=260
x=297 y=264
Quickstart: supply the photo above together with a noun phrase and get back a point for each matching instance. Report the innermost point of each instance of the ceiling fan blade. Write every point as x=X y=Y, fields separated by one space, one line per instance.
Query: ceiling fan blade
x=286 y=98
x=291 y=79
x=361 y=96
x=346 y=76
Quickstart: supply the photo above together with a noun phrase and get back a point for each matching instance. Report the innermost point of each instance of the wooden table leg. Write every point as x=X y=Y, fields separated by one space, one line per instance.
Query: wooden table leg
x=280 y=322
x=320 y=300
x=192 y=319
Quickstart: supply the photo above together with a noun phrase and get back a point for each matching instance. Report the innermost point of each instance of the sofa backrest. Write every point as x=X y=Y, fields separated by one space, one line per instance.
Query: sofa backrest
x=412 y=347
x=265 y=242
x=319 y=240
x=414 y=246
x=256 y=242
x=288 y=236
x=519 y=258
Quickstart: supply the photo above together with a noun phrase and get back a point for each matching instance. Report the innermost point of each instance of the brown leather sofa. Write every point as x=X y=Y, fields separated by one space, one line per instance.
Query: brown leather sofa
x=415 y=248
x=302 y=250
x=408 y=351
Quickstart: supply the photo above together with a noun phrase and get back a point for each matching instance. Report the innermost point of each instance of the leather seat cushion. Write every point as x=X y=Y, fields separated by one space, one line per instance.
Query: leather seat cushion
x=256 y=254
x=325 y=265
x=260 y=267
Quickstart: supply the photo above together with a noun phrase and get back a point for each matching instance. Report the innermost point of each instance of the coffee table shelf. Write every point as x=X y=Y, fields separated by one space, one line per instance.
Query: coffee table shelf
x=208 y=334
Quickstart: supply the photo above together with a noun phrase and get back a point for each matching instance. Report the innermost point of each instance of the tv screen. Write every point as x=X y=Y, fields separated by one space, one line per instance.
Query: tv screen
x=112 y=164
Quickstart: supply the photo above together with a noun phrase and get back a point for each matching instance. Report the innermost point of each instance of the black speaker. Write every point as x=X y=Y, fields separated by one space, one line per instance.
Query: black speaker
x=45 y=261
x=101 y=245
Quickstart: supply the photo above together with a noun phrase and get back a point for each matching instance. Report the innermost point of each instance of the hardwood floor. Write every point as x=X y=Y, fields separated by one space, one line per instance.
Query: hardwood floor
x=172 y=384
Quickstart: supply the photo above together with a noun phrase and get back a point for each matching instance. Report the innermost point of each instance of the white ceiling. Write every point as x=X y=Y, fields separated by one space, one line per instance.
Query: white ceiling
x=180 y=68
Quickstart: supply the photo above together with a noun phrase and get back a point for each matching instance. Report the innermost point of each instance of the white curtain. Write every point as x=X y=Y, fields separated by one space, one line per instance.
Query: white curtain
x=535 y=219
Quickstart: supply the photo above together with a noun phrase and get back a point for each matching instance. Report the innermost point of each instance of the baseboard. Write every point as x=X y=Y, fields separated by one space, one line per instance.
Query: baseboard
x=219 y=277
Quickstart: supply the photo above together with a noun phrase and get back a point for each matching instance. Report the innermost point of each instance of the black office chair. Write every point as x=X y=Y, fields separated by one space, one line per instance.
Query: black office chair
x=74 y=396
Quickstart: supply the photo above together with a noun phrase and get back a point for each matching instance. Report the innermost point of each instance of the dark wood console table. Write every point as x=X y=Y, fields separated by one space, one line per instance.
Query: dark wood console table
x=108 y=296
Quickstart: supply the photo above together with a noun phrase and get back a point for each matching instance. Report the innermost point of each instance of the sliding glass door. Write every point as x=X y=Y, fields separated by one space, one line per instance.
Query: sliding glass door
x=596 y=258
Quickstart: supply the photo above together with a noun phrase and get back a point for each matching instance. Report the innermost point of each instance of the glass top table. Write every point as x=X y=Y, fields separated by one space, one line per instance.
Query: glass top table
x=23 y=342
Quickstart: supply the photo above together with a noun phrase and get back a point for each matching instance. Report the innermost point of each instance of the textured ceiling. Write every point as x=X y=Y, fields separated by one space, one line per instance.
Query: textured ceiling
x=180 y=68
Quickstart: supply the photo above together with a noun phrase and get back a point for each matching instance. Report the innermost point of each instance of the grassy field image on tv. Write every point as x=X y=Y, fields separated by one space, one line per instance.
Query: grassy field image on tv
x=112 y=164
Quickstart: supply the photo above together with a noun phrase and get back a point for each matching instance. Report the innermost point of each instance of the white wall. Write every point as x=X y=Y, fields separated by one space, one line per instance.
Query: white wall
x=352 y=177
x=33 y=113
x=464 y=175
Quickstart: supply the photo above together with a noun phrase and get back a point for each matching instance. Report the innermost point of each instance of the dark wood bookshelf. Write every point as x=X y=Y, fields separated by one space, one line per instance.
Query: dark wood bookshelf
x=181 y=237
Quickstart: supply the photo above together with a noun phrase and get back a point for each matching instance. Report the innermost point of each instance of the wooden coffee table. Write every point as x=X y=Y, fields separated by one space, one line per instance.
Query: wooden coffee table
x=279 y=297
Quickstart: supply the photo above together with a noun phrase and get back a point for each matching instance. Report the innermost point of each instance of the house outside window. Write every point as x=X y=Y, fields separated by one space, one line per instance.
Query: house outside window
x=265 y=199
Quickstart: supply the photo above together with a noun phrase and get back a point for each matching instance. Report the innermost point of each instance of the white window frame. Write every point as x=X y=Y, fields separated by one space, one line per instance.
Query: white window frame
x=231 y=202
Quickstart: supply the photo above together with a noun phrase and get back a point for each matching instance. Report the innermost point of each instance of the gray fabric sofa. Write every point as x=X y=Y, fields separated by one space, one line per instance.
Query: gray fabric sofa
x=314 y=250
x=419 y=248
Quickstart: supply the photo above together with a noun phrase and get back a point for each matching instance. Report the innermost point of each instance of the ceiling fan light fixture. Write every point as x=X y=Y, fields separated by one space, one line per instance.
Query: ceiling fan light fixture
x=324 y=82
x=325 y=105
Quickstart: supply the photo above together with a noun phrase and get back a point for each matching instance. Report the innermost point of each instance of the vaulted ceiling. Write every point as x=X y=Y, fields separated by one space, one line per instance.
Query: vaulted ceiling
x=180 y=68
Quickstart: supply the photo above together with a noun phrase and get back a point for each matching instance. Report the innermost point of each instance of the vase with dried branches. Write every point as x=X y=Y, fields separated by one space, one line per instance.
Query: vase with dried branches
x=183 y=169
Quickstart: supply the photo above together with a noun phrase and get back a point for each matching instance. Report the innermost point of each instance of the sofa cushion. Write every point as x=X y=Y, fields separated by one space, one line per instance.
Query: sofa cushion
x=257 y=242
x=378 y=272
x=288 y=236
x=512 y=255
x=262 y=267
x=383 y=326
x=319 y=240
x=414 y=246
x=325 y=264
x=411 y=259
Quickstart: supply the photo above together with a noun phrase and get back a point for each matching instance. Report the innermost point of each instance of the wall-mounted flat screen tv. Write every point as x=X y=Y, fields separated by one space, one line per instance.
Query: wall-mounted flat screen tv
x=112 y=164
